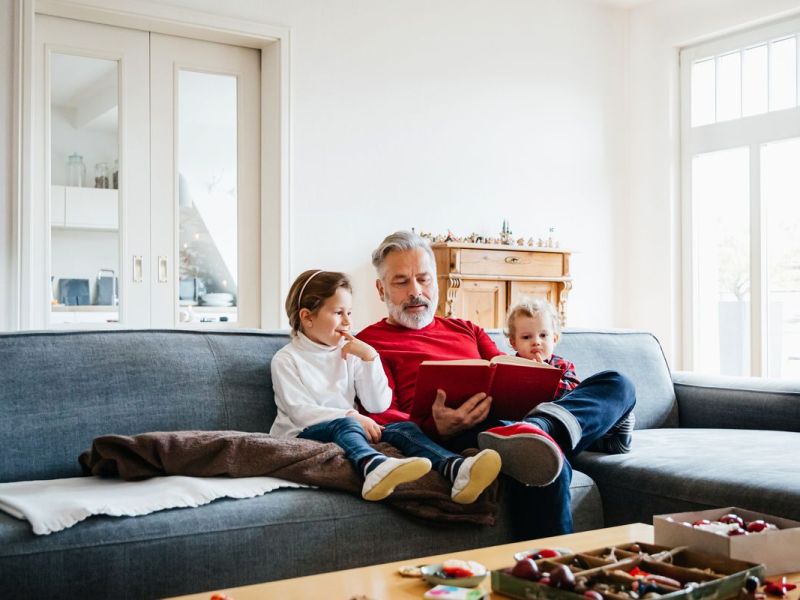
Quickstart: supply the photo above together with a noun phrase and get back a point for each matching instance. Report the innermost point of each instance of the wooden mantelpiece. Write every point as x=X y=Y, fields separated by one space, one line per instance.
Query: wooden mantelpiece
x=479 y=282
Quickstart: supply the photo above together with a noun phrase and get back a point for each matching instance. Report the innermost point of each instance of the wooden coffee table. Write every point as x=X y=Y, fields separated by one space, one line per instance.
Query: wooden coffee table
x=382 y=582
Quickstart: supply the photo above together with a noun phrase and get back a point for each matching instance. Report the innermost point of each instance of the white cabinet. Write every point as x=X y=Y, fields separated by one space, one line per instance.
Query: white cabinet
x=57 y=205
x=84 y=208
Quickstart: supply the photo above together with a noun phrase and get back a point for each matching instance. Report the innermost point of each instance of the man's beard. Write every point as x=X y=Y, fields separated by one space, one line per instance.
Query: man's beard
x=413 y=320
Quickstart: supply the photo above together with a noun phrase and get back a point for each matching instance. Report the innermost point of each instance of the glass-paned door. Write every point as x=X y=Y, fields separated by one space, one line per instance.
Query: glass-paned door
x=92 y=202
x=146 y=207
x=206 y=211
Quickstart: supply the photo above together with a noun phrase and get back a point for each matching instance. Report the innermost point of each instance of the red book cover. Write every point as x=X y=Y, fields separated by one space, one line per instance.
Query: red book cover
x=515 y=384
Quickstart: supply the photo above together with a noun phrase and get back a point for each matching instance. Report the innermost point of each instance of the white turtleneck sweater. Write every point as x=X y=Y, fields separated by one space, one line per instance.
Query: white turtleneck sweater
x=313 y=384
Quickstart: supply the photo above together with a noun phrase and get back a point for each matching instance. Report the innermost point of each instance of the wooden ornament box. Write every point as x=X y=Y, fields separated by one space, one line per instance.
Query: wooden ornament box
x=685 y=565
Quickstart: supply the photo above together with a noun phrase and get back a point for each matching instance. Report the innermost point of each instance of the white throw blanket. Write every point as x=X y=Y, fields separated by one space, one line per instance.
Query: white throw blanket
x=55 y=504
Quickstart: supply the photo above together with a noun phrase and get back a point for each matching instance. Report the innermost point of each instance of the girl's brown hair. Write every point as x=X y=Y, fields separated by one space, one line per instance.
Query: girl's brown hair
x=310 y=290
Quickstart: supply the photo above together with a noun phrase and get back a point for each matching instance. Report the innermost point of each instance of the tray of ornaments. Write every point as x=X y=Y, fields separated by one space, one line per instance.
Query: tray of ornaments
x=635 y=571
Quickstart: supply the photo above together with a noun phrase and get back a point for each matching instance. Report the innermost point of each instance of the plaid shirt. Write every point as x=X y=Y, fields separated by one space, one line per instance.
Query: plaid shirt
x=569 y=379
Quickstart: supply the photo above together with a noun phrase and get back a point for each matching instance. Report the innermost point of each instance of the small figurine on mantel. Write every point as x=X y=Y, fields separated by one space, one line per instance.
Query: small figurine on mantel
x=504 y=238
x=505 y=234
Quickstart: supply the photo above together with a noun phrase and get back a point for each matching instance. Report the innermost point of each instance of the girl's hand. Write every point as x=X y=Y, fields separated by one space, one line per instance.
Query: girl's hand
x=357 y=348
x=537 y=357
x=371 y=428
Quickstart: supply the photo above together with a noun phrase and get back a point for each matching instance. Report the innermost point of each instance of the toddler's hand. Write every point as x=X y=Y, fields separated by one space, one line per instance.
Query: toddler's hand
x=371 y=428
x=537 y=357
x=357 y=348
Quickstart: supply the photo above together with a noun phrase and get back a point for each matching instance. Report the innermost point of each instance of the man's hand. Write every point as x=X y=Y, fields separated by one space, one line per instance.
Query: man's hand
x=371 y=428
x=357 y=348
x=450 y=421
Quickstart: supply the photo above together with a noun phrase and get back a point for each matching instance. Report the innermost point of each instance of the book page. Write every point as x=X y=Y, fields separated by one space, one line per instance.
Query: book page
x=505 y=359
x=466 y=362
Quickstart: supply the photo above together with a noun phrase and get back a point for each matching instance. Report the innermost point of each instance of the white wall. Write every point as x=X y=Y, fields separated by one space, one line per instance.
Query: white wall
x=7 y=20
x=455 y=115
x=651 y=276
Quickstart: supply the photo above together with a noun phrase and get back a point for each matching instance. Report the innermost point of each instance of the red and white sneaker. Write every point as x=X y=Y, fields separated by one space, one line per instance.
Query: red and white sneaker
x=529 y=455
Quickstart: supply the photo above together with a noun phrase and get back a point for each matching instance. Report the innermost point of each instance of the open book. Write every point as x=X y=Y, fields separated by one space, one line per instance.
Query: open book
x=515 y=384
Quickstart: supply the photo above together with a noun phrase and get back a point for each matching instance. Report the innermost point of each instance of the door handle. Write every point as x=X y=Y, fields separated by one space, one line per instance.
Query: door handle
x=137 y=269
x=162 y=269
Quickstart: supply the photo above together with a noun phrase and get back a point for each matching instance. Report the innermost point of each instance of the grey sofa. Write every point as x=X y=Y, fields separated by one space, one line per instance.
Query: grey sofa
x=59 y=390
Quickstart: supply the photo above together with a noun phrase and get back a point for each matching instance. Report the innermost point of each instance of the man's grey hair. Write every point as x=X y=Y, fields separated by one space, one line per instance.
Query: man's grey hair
x=400 y=240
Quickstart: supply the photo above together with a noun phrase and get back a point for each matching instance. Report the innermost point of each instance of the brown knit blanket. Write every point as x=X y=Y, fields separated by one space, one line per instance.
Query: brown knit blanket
x=241 y=454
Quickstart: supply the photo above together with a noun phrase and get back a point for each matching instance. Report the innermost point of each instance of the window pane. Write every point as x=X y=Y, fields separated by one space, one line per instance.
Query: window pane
x=84 y=203
x=780 y=195
x=703 y=84
x=729 y=87
x=721 y=208
x=782 y=74
x=754 y=81
x=207 y=197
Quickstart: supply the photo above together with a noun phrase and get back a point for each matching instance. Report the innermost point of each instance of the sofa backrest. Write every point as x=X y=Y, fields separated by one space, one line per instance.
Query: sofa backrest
x=636 y=354
x=60 y=390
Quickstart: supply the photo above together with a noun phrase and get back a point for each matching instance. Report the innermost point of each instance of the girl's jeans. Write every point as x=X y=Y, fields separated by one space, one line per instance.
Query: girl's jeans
x=406 y=436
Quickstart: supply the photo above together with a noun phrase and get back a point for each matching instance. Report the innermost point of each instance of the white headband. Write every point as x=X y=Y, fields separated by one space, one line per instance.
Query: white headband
x=303 y=289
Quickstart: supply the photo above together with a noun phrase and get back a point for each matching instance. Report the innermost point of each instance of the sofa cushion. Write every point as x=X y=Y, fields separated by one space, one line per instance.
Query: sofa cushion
x=673 y=470
x=287 y=533
x=635 y=354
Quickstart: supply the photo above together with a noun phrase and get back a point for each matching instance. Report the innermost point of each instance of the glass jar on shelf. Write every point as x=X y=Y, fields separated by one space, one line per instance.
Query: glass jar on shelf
x=76 y=170
x=115 y=176
x=101 y=176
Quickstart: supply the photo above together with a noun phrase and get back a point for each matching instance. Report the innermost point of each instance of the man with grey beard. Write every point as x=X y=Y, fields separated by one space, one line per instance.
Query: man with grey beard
x=536 y=451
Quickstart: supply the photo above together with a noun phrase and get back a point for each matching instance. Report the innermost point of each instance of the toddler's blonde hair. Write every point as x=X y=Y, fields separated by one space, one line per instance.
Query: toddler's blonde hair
x=530 y=307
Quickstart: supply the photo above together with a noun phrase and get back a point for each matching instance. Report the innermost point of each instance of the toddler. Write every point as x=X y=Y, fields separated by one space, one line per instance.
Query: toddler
x=317 y=377
x=533 y=329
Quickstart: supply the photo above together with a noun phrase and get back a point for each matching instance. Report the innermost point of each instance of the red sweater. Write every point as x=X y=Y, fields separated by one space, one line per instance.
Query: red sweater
x=402 y=350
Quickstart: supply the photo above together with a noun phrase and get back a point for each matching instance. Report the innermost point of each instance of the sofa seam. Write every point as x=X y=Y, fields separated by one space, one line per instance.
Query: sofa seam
x=223 y=391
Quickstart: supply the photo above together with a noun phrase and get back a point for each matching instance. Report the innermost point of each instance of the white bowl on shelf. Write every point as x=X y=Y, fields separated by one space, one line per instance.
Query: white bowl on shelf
x=217 y=299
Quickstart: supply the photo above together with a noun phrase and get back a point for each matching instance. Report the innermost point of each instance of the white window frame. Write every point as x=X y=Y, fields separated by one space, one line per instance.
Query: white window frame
x=752 y=132
x=274 y=44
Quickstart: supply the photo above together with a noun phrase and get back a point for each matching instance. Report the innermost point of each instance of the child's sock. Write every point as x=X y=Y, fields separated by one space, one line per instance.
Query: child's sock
x=619 y=438
x=449 y=468
x=370 y=463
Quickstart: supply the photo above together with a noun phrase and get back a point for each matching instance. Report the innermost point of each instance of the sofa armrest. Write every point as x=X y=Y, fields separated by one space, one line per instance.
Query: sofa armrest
x=737 y=402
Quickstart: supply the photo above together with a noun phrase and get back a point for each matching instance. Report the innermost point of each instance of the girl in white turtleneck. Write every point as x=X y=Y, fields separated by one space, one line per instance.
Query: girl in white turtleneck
x=317 y=378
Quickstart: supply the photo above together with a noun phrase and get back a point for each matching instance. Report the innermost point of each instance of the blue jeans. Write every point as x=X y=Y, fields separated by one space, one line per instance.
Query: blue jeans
x=406 y=436
x=597 y=404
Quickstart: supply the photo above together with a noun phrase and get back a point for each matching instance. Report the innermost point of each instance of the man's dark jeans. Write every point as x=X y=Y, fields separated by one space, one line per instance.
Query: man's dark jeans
x=597 y=403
